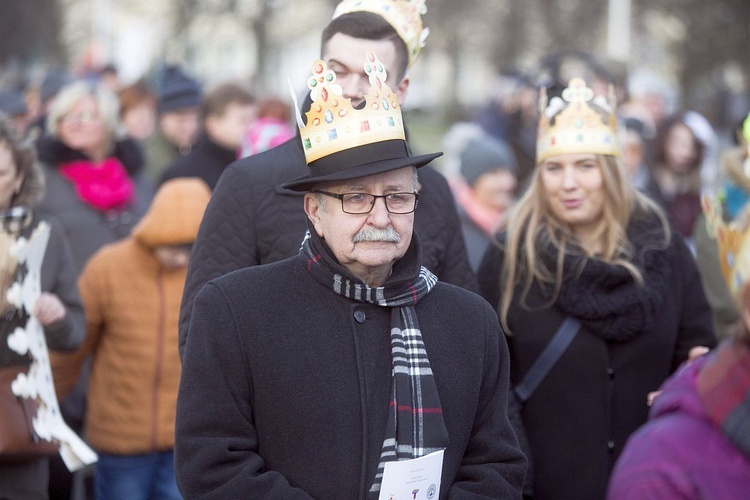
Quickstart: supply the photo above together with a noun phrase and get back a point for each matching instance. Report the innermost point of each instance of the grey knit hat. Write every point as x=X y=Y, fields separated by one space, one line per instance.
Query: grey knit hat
x=486 y=154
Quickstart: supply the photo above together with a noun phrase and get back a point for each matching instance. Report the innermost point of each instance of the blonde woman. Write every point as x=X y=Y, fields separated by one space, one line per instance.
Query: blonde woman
x=582 y=242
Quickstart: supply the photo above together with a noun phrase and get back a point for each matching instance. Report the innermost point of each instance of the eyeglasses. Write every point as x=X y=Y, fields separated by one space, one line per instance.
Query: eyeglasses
x=362 y=203
x=82 y=117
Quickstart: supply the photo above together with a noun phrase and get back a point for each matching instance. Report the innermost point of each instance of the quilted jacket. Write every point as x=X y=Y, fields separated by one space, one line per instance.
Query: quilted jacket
x=252 y=220
x=132 y=304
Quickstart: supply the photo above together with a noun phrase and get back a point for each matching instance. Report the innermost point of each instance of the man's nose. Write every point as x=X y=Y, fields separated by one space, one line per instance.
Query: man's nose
x=379 y=215
x=355 y=87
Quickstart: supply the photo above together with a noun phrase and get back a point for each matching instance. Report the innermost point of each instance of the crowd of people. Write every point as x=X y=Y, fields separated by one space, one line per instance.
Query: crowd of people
x=238 y=306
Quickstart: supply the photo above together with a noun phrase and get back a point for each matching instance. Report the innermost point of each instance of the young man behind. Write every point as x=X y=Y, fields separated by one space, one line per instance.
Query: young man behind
x=253 y=220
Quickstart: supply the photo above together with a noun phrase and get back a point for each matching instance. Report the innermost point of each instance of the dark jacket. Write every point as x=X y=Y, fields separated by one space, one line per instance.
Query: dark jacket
x=206 y=160
x=252 y=220
x=58 y=275
x=594 y=397
x=285 y=390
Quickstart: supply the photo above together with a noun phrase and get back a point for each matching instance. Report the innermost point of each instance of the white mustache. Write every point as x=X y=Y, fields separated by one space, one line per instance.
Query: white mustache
x=374 y=234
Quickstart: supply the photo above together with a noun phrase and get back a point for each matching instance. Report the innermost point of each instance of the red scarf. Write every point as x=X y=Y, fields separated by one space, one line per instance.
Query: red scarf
x=104 y=186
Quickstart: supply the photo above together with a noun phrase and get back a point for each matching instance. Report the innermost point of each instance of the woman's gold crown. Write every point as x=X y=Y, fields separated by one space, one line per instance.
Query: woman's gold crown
x=572 y=125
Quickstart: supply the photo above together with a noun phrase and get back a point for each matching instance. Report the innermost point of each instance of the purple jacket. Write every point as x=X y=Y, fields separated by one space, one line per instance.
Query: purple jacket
x=684 y=452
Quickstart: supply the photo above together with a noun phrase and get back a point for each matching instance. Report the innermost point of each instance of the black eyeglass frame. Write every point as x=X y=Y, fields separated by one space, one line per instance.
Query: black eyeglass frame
x=374 y=197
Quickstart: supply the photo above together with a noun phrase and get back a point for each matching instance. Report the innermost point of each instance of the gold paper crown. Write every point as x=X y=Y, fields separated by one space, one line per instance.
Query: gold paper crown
x=733 y=242
x=334 y=125
x=405 y=16
x=576 y=127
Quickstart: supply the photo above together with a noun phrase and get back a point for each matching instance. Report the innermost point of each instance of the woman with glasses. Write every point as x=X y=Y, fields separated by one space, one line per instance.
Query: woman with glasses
x=95 y=190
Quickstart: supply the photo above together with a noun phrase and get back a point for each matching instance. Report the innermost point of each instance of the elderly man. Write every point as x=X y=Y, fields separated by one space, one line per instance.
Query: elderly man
x=327 y=374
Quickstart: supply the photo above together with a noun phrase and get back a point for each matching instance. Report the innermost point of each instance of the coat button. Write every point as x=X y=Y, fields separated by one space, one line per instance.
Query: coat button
x=610 y=445
x=359 y=316
x=611 y=372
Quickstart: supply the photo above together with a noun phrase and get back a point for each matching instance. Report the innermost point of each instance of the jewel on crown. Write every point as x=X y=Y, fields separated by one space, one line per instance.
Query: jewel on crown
x=405 y=16
x=572 y=125
x=333 y=125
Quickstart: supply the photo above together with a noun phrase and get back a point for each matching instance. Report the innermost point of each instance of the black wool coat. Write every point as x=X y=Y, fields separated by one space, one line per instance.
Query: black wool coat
x=579 y=418
x=286 y=385
x=252 y=220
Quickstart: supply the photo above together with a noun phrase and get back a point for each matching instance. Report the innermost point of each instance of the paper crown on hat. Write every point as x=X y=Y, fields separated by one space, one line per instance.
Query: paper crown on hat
x=405 y=16
x=341 y=142
x=333 y=124
x=732 y=240
x=572 y=125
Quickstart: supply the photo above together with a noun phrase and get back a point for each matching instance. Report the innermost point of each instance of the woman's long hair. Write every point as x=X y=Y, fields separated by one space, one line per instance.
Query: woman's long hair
x=24 y=161
x=531 y=227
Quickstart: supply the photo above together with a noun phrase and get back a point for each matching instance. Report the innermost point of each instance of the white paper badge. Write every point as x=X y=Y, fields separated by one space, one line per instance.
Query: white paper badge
x=417 y=479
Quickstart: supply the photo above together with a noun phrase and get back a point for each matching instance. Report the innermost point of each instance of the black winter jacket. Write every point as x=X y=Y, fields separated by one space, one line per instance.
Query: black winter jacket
x=207 y=160
x=252 y=220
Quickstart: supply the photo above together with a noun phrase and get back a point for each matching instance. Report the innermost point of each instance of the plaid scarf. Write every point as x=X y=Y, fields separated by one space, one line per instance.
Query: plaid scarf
x=415 y=425
x=724 y=387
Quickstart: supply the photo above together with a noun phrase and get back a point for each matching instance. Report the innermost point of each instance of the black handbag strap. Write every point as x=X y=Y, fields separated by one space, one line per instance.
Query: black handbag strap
x=547 y=359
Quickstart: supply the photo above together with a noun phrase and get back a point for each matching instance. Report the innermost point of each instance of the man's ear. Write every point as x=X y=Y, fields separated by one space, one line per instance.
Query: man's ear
x=313 y=210
x=401 y=89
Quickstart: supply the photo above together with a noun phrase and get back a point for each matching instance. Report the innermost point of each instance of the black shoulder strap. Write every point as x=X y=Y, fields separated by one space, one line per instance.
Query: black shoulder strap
x=547 y=359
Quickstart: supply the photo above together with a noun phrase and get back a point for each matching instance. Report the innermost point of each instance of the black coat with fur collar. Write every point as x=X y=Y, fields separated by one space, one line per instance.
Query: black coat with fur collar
x=594 y=397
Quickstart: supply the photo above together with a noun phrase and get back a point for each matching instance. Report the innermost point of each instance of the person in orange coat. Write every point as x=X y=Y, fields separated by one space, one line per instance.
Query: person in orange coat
x=131 y=291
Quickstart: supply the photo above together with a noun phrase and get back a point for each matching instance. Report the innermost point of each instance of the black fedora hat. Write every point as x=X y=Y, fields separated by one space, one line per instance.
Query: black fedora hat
x=360 y=161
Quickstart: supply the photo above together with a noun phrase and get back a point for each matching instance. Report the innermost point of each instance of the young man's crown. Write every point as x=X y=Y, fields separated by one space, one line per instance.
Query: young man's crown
x=405 y=16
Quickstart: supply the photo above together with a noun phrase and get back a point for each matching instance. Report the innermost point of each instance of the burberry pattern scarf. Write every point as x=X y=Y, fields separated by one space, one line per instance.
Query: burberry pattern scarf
x=415 y=425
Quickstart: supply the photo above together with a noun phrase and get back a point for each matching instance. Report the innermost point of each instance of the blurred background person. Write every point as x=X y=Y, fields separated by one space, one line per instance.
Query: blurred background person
x=676 y=181
x=634 y=153
x=14 y=107
x=54 y=81
x=271 y=127
x=131 y=293
x=484 y=192
x=582 y=243
x=95 y=192
x=733 y=195
x=226 y=112
x=58 y=308
x=511 y=117
x=696 y=444
x=178 y=122
x=138 y=110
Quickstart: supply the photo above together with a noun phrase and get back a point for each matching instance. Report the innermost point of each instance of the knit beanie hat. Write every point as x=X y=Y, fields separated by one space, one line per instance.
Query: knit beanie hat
x=176 y=90
x=486 y=154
